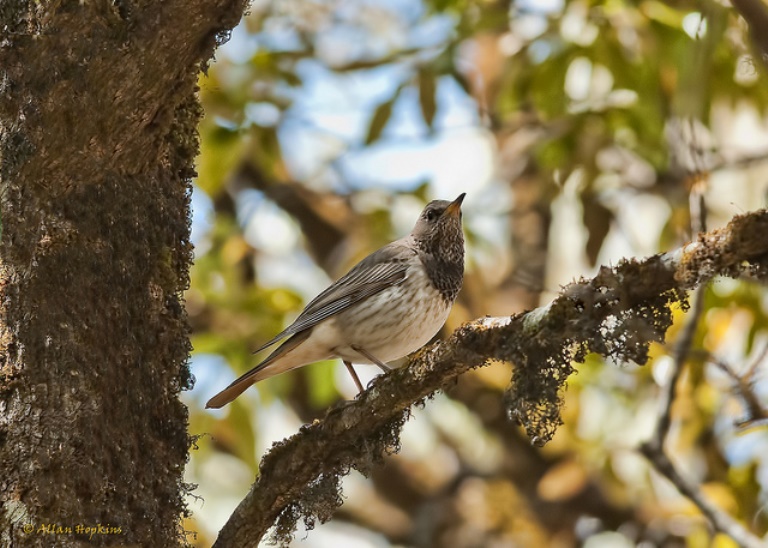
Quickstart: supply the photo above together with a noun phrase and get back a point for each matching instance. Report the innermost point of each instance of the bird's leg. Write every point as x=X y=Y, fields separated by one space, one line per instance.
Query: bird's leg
x=354 y=375
x=384 y=367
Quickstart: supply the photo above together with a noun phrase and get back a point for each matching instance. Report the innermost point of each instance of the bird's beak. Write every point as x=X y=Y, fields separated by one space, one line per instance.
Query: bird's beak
x=454 y=208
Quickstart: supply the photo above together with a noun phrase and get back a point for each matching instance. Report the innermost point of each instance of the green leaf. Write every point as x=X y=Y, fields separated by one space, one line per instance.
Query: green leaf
x=381 y=116
x=379 y=120
x=427 y=91
x=462 y=81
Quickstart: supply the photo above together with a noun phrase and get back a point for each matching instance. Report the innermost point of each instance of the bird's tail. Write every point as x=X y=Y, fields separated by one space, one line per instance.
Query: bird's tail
x=233 y=390
x=268 y=368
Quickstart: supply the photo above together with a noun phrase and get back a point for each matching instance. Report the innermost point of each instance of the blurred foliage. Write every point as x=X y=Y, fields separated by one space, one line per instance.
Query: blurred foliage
x=609 y=109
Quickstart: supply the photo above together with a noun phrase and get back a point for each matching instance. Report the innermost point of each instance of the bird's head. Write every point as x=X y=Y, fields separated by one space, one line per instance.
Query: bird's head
x=438 y=230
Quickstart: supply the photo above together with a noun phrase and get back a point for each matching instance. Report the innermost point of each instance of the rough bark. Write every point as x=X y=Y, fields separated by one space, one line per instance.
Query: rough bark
x=618 y=313
x=98 y=120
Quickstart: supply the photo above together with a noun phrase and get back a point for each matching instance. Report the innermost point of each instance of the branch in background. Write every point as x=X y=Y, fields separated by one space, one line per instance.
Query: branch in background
x=617 y=314
x=756 y=413
x=529 y=466
x=719 y=519
x=743 y=162
x=684 y=344
x=530 y=222
x=681 y=353
x=755 y=12
x=654 y=448
x=752 y=369
x=322 y=217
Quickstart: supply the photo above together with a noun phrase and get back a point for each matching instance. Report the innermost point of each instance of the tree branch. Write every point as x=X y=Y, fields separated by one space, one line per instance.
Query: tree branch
x=618 y=313
x=755 y=13
x=654 y=448
x=719 y=519
x=322 y=217
x=681 y=352
x=744 y=385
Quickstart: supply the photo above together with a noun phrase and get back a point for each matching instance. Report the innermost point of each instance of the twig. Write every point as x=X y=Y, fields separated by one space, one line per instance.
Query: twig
x=654 y=448
x=720 y=520
x=681 y=351
x=755 y=12
x=752 y=369
x=744 y=384
x=742 y=162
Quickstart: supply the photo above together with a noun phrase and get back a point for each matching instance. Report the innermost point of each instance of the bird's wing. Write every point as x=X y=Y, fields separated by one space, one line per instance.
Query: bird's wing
x=381 y=269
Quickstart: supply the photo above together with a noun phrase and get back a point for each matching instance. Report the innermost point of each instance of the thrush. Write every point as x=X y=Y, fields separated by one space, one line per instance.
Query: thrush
x=388 y=305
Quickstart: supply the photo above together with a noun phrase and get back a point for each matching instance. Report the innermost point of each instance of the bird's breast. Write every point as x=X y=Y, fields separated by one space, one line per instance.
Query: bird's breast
x=394 y=322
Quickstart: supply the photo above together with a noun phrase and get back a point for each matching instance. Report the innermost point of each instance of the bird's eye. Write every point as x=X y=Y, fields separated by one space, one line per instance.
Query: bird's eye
x=431 y=215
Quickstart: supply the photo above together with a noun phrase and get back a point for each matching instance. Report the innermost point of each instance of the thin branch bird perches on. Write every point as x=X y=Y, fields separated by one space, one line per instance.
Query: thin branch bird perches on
x=617 y=314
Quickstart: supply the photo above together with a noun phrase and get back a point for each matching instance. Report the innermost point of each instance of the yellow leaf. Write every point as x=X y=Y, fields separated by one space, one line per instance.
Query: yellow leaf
x=562 y=481
x=721 y=496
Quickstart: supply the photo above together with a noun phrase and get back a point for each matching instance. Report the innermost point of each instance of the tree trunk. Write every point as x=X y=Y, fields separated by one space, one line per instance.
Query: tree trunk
x=98 y=120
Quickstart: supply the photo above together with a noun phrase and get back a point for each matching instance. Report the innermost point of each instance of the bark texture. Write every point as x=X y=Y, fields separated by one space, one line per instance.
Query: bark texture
x=98 y=120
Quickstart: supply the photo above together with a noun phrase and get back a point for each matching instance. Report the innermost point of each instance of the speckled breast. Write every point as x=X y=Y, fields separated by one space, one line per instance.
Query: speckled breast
x=396 y=321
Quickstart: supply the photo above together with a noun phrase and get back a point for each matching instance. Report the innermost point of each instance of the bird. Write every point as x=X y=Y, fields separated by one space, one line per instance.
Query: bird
x=388 y=305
